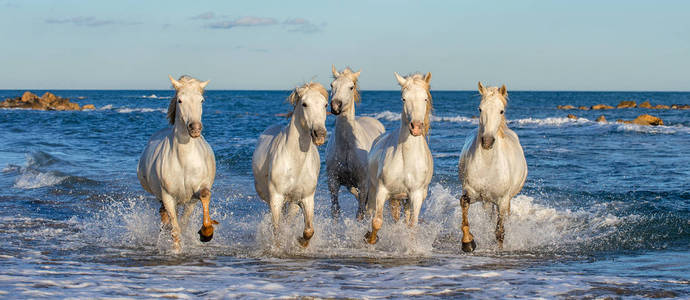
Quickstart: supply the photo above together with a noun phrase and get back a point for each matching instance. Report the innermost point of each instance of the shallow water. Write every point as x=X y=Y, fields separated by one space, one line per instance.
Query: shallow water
x=605 y=210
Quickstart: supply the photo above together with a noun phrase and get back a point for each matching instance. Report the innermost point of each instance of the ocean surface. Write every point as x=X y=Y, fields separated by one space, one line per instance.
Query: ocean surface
x=605 y=210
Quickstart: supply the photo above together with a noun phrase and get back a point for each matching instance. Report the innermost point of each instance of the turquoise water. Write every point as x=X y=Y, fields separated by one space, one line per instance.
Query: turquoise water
x=605 y=210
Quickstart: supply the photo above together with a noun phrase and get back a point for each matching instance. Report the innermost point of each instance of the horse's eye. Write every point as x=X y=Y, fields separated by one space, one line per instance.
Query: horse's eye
x=326 y=105
x=426 y=100
x=480 y=110
x=352 y=88
x=202 y=100
x=304 y=104
x=501 y=112
x=179 y=101
x=403 y=99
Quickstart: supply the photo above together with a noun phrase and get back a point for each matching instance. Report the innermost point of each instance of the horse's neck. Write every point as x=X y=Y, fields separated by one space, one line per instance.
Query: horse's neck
x=408 y=142
x=297 y=137
x=349 y=113
x=182 y=142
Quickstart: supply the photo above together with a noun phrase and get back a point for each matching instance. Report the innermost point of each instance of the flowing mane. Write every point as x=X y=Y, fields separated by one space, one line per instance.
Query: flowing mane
x=490 y=93
x=186 y=81
x=351 y=75
x=298 y=92
x=418 y=79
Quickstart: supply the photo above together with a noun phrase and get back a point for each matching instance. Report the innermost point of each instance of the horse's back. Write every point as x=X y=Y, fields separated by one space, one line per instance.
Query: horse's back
x=371 y=127
x=261 y=157
x=146 y=168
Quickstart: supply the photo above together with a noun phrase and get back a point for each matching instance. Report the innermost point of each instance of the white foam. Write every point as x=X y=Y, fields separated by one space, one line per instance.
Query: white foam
x=31 y=179
x=126 y=110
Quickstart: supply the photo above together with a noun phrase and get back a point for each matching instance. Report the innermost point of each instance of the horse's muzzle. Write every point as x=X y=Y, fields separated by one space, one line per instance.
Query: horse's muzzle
x=195 y=129
x=318 y=136
x=416 y=128
x=336 y=107
x=488 y=142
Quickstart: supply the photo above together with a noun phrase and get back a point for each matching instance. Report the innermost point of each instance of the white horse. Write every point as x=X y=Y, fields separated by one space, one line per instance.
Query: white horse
x=492 y=165
x=348 y=146
x=400 y=162
x=286 y=162
x=177 y=165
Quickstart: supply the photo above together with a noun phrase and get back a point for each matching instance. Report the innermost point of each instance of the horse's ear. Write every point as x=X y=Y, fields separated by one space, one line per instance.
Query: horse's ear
x=482 y=90
x=176 y=84
x=356 y=74
x=503 y=90
x=427 y=77
x=334 y=71
x=401 y=80
x=204 y=84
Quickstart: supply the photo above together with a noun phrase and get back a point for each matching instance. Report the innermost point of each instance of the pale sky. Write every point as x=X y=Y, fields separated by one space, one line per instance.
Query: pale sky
x=528 y=45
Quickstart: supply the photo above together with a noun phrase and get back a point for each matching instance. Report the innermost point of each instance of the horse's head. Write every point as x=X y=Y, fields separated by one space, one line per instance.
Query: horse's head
x=344 y=90
x=310 y=102
x=185 y=107
x=416 y=102
x=491 y=114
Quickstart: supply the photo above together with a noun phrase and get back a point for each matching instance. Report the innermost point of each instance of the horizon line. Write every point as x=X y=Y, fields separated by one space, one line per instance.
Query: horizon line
x=368 y=90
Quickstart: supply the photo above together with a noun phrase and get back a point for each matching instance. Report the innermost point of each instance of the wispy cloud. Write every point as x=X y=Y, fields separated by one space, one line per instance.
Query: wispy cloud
x=89 y=21
x=302 y=25
x=205 y=16
x=243 y=22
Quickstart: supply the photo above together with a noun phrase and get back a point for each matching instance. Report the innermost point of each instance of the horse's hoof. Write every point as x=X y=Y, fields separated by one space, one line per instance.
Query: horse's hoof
x=303 y=242
x=368 y=238
x=469 y=247
x=205 y=239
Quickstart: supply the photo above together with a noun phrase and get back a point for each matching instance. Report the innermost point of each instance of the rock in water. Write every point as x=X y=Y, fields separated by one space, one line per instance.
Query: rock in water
x=644 y=120
x=627 y=104
x=601 y=106
x=47 y=102
x=566 y=107
x=661 y=106
x=645 y=104
x=571 y=116
x=88 y=106
x=601 y=119
x=583 y=108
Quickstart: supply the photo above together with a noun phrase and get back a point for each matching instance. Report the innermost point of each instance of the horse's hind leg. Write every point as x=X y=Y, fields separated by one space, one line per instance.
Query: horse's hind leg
x=165 y=218
x=308 y=211
x=468 y=244
x=395 y=209
x=206 y=231
x=362 y=196
x=503 y=213
x=333 y=188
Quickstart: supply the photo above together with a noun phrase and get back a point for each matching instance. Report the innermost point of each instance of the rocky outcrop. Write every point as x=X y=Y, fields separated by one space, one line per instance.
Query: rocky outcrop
x=566 y=107
x=601 y=106
x=645 y=104
x=48 y=101
x=601 y=119
x=583 y=108
x=626 y=104
x=88 y=106
x=644 y=120
x=571 y=116
x=661 y=106
x=680 y=106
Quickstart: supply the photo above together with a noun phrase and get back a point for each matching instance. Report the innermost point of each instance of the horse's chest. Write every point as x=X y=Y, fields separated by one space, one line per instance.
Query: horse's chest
x=488 y=180
x=403 y=174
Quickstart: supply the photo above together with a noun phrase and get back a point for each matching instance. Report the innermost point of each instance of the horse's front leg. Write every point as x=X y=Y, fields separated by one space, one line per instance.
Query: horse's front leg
x=188 y=210
x=165 y=218
x=416 y=199
x=468 y=244
x=376 y=222
x=394 y=203
x=206 y=231
x=276 y=203
x=307 y=204
x=503 y=213
x=362 y=197
x=171 y=208
x=333 y=188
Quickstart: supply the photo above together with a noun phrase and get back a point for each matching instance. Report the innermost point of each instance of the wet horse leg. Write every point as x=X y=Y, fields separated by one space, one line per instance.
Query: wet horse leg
x=165 y=218
x=468 y=244
x=206 y=231
x=394 y=203
x=503 y=213
x=376 y=222
x=333 y=188
x=307 y=204
x=171 y=209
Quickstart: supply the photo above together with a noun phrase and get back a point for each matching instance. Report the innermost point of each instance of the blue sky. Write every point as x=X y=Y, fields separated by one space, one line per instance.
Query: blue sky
x=528 y=45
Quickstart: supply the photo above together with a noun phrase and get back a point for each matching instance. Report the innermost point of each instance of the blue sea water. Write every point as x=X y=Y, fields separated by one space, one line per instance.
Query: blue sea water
x=605 y=211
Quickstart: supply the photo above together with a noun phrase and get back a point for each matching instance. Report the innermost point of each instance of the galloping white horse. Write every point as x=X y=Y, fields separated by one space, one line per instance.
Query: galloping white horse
x=286 y=162
x=400 y=162
x=348 y=146
x=492 y=165
x=177 y=165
